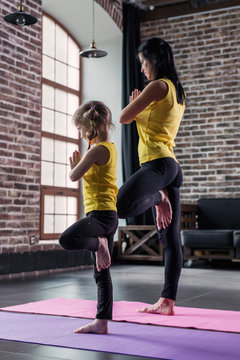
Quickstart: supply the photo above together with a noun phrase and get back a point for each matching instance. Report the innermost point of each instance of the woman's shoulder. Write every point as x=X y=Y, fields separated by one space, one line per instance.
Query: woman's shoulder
x=158 y=89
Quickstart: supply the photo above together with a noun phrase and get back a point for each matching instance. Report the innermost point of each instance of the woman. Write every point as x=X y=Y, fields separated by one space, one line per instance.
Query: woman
x=158 y=111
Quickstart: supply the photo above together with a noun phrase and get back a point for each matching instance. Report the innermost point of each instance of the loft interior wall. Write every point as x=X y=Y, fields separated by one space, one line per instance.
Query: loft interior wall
x=102 y=77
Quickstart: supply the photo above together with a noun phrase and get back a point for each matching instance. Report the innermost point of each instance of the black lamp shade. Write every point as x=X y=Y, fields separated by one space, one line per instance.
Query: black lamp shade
x=20 y=18
x=93 y=52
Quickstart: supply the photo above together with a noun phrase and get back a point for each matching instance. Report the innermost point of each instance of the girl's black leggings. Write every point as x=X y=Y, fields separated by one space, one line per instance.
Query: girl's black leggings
x=139 y=193
x=83 y=235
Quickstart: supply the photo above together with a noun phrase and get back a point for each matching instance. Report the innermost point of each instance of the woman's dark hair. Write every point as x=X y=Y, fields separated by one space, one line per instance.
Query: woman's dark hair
x=158 y=50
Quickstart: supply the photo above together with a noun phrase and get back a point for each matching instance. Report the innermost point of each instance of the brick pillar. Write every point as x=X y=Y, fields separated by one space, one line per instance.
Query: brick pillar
x=20 y=116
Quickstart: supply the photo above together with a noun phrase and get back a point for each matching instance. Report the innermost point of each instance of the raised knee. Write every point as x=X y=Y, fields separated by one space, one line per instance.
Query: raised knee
x=63 y=241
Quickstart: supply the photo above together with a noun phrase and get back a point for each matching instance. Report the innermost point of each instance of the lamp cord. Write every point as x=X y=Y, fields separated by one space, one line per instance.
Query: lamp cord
x=93 y=21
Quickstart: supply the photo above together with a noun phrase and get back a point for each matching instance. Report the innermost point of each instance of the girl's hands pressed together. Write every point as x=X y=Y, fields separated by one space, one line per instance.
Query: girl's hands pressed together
x=135 y=93
x=75 y=159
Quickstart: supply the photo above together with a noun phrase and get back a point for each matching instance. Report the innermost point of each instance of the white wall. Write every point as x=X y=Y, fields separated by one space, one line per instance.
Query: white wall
x=102 y=80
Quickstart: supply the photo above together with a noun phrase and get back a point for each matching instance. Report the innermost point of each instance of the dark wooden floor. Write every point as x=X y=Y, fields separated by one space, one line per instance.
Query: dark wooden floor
x=204 y=287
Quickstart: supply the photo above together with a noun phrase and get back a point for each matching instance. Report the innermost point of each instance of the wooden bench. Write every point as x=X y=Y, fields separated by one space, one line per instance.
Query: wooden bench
x=139 y=242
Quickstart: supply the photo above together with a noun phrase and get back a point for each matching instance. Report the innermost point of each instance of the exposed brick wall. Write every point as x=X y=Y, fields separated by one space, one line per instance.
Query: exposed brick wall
x=20 y=114
x=207 y=51
x=114 y=9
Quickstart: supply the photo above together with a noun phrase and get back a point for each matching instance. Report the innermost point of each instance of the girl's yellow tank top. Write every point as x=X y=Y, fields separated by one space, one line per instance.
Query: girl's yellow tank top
x=158 y=125
x=99 y=183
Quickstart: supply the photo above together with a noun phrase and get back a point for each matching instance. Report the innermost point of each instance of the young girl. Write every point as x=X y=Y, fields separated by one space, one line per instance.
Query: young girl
x=158 y=111
x=95 y=232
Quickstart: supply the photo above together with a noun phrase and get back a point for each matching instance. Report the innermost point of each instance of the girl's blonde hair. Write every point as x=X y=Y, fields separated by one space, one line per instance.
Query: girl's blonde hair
x=93 y=113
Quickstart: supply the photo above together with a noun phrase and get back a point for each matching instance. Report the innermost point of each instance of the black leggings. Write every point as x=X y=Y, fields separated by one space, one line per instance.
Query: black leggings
x=139 y=193
x=83 y=235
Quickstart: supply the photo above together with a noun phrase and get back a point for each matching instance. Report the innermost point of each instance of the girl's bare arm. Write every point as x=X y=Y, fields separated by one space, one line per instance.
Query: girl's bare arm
x=97 y=154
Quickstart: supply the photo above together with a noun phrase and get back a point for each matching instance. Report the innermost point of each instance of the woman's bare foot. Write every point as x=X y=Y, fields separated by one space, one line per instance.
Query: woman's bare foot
x=163 y=306
x=103 y=258
x=98 y=326
x=163 y=211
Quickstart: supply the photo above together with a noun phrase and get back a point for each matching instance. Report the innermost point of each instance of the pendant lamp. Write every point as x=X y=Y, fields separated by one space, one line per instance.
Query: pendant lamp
x=20 y=17
x=93 y=52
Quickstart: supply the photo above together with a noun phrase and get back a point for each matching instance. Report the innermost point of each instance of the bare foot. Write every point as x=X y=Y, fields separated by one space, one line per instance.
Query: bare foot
x=164 y=211
x=163 y=306
x=103 y=258
x=98 y=326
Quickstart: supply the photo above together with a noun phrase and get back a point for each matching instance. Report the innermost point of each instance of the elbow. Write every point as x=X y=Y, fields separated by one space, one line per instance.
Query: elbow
x=73 y=177
x=123 y=119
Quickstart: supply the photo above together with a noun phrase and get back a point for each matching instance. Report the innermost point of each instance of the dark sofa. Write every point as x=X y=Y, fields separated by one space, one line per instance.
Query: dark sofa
x=211 y=229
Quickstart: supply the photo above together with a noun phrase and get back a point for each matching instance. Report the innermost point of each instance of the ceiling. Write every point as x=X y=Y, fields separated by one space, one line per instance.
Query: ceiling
x=158 y=9
x=77 y=17
x=152 y=4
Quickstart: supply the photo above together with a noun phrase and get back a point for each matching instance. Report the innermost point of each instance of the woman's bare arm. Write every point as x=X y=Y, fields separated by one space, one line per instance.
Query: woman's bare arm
x=154 y=91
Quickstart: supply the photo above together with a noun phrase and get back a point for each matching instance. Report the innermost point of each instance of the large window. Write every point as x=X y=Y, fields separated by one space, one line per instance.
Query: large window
x=60 y=198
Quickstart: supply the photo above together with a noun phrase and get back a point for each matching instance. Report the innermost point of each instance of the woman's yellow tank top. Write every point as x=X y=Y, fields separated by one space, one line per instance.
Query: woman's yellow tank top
x=99 y=183
x=158 y=125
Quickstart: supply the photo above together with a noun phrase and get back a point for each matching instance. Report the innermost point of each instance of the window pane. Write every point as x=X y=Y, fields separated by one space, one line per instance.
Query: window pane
x=60 y=152
x=71 y=220
x=48 y=68
x=48 y=96
x=47 y=173
x=60 y=204
x=60 y=64
x=70 y=149
x=48 y=36
x=47 y=149
x=48 y=224
x=61 y=73
x=48 y=204
x=72 y=131
x=60 y=124
x=59 y=175
x=61 y=44
x=73 y=53
x=60 y=223
x=73 y=103
x=47 y=120
x=73 y=78
x=61 y=101
x=71 y=205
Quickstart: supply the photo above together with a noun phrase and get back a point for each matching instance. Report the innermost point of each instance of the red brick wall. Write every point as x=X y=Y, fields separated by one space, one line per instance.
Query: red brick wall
x=114 y=9
x=20 y=114
x=207 y=53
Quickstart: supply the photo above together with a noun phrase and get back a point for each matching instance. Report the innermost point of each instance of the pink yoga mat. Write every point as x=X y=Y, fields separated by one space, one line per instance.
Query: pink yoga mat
x=195 y=318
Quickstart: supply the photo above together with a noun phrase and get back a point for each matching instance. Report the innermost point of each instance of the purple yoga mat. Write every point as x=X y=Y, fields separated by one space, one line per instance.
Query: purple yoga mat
x=124 y=338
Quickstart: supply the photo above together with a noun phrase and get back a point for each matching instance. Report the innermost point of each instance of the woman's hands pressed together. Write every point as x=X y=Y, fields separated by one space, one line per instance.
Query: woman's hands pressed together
x=75 y=159
x=134 y=94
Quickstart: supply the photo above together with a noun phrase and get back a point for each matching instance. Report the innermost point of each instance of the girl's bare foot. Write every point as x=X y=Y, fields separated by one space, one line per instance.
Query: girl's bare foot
x=163 y=211
x=163 y=306
x=98 y=326
x=103 y=258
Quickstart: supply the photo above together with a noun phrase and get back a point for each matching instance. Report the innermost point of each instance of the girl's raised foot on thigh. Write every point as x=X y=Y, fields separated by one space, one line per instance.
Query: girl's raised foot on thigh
x=103 y=258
